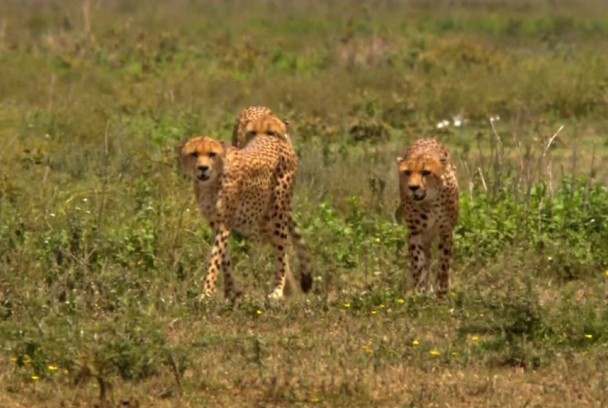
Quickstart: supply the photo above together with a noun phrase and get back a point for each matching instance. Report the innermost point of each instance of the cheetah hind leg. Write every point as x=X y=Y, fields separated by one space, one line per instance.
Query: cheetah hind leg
x=283 y=287
x=279 y=241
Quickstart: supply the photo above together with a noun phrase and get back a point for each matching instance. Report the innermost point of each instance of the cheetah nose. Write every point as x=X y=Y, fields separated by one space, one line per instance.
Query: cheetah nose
x=203 y=168
x=414 y=187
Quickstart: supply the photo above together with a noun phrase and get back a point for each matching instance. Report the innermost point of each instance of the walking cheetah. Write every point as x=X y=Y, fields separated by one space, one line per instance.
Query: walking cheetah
x=429 y=200
x=240 y=136
x=248 y=190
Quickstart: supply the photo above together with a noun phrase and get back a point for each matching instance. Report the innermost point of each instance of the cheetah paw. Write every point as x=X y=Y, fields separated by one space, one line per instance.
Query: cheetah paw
x=205 y=296
x=234 y=294
x=276 y=294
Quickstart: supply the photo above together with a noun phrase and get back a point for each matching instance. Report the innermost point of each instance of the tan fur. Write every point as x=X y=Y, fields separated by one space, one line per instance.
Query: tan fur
x=248 y=190
x=429 y=200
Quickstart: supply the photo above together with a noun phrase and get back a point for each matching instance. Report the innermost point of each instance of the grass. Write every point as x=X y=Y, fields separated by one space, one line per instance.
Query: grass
x=102 y=251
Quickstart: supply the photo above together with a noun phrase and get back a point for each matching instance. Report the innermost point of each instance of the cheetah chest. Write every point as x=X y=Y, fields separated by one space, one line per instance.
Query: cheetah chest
x=431 y=217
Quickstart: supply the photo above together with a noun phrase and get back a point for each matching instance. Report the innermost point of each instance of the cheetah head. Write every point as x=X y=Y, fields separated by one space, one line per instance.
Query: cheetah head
x=420 y=177
x=268 y=125
x=203 y=158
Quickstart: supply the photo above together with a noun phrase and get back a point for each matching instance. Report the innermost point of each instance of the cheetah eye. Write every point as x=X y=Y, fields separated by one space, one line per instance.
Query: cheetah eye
x=272 y=133
x=407 y=173
x=212 y=155
x=194 y=154
x=251 y=133
x=426 y=173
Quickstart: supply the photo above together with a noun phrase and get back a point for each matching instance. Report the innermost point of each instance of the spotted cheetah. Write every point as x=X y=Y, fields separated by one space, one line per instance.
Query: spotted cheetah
x=429 y=201
x=240 y=137
x=248 y=190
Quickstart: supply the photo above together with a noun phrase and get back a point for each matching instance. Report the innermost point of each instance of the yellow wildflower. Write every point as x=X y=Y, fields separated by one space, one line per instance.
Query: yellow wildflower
x=415 y=343
x=373 y=312
x=52 y=368
x=346 y=305
x=435 y=353
x=14 y=360
x=454 y=354
x=606 y=273
x=258 y=312
x=475 y=339
x=35 y=378
x=401 y=301
x=315 y=400
x=588 y=336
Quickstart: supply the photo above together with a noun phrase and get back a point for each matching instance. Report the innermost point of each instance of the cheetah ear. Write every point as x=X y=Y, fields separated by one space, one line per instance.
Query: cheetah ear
x=287 y=124
x=443 y=157
x=443 y=161
x=400 y=160
x=224 y=146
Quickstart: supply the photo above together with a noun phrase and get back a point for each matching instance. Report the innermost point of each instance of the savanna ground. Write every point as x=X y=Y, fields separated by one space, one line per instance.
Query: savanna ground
x=102 y=251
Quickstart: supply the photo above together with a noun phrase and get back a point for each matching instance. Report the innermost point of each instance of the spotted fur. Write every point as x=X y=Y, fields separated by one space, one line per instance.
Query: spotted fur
x=430 y=206
x=248 y=190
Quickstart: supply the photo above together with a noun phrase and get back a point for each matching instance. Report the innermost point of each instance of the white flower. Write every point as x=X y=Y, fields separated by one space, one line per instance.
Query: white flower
x=458 y=120
x=444 y=123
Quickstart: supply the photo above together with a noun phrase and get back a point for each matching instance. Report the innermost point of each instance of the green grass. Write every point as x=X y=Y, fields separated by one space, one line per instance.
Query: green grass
x=102 y=251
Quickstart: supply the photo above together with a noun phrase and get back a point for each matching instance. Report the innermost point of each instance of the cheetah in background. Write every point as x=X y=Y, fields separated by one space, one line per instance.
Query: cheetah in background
x=429 y=200
x=248 y=189
x=240 y=136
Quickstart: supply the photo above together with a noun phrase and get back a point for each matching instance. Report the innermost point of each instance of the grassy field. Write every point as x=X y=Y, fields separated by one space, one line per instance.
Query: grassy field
x=102 y=251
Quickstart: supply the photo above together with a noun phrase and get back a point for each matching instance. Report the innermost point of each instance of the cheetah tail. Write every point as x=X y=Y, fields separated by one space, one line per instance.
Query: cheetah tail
x=304 y=260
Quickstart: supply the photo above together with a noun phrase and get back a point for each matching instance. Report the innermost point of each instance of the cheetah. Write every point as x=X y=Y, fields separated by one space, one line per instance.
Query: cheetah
x=429 y=202
x=248 y=190
x=240 y=137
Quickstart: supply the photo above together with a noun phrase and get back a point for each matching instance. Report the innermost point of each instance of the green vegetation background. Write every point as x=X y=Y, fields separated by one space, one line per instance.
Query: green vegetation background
x=102 y=251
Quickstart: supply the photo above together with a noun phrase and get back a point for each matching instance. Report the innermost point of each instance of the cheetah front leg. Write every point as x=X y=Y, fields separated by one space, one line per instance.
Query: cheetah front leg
x=419 y=251
x=231 y=290
x=446 y=241
x=220 y=259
